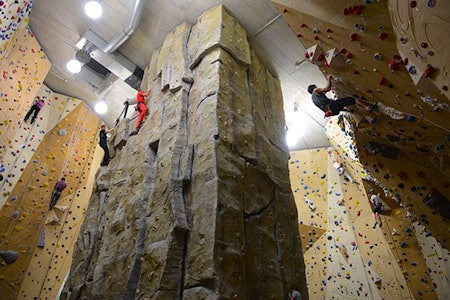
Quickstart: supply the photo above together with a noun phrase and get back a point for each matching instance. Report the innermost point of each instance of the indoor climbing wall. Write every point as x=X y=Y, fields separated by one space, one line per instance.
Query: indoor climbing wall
x=394 y=54
x=13 y=20
x=197 y=205
x=345 y=257
x=23 y=72
x=35 y=243
x=65 y=144
x=373 y=55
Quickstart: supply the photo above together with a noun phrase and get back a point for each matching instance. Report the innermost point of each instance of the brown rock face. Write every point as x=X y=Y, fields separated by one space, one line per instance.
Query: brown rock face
x=198 y=205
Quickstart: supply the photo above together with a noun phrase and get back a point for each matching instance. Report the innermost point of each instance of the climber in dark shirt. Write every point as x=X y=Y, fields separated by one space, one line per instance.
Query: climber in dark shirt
x=333 y=107
x=57 y=190
x=103 y=142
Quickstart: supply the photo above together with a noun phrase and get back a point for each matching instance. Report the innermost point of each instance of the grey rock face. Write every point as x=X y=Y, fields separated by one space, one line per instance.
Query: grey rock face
x=197 y=205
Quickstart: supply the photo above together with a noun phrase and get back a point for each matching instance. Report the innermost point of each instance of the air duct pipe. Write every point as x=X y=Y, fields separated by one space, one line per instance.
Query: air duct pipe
x=128 y=30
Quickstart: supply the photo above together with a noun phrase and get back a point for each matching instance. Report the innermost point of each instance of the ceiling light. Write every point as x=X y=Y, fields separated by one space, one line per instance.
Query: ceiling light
x=93 y=10
x=291 y=138
x=101 y=107
x=74 y=66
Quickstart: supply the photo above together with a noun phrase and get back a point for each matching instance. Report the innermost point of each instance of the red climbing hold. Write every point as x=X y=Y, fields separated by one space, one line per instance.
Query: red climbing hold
x=428 y=71
x=353 y=37
x=402 y=175
x=394 y=65
x=357 y=9
x=383 y=36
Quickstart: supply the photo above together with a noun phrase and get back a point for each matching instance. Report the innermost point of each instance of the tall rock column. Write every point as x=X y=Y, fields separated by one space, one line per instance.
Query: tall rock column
x=198 y=205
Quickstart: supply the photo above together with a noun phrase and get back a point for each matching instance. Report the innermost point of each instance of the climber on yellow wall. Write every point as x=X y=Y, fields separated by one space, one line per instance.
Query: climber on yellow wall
x=334 y=107
x=60 y=185
x=34 y=109
x=377 y=207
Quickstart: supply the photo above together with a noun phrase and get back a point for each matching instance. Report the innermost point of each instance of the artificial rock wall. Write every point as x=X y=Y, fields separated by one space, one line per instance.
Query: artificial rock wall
x=198 y=205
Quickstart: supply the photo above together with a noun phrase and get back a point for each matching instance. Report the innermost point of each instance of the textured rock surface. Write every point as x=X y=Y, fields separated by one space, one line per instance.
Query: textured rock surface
x=198 y=205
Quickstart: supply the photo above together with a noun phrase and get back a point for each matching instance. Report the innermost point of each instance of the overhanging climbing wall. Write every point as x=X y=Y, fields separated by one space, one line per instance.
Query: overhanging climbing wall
x=198 y=204
x=372 y=52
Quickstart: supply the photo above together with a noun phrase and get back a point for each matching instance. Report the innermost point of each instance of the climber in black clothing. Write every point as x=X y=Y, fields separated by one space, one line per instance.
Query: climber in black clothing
x=333 y=107
x=103 y=142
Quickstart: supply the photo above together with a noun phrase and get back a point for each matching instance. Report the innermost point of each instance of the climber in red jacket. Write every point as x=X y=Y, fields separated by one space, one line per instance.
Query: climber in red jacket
x=141 y=108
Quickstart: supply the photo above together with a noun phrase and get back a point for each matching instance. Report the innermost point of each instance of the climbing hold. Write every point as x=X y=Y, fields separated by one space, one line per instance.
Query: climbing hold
x=9 y=256
x=430 y=3
x=402 y=175
x=382 y=36
x=315 y=30
x=429 y=70
x=403 y=40
x=393 y=65
x=357 y=9
x=410 y=118
x=413 y=4
x=403 y=244
x=424 y=45
x=353 y=37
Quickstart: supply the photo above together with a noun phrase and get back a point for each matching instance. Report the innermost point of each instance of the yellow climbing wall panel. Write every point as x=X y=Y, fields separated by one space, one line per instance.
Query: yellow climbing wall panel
x=345 y=257
x=61 y=142
x=67 y=150
x=22 y=74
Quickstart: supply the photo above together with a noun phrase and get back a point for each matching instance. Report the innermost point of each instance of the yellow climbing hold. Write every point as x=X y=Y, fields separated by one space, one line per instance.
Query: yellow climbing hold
x=18 y=228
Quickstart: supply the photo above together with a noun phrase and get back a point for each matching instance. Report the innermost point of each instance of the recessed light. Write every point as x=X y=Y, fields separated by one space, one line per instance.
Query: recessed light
x=74 y=66
x=101 y=107
x=93 y=9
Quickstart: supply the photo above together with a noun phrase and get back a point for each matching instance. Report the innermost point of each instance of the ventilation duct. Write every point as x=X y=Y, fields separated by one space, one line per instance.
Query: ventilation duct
x=119 y=65
x=94 y=50
x=128 y=30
